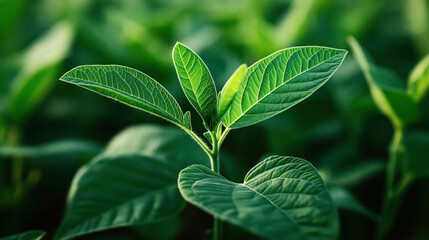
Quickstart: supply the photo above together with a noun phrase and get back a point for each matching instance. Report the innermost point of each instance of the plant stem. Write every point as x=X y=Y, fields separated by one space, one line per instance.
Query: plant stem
x=214 y=160
x=393 y=193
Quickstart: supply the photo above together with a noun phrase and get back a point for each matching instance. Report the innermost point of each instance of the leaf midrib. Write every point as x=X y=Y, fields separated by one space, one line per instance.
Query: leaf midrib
x=90 y=83
x=248 y=74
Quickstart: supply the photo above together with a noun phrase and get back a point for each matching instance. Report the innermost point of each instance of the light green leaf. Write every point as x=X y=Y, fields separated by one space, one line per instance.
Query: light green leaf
x=130 y=87
x=230 y=89
x=197 y=83
x=133 y=182
x=281 y=198
x=30 y=235
x=343 y=199
x=387 y=89
x=415 y=161
x=418 y=82
x=39 y=69
x=279 y=81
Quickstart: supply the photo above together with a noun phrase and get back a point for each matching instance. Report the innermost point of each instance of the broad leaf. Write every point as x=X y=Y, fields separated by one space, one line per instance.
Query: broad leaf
x=197 y=83
x=133 y=182
x=387 y=89
x=230 y=89
x=415 y=161
x=418 y=83
x=279 y=81
x=130 y=87
x=39 y=69
x=281 y=198
x=30 y=235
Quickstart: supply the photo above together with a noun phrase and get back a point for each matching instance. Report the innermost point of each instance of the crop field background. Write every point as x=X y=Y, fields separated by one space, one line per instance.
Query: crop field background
x=50 y=129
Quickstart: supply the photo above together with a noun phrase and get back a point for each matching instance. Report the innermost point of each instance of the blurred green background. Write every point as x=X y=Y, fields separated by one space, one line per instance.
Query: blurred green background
x=48 y=129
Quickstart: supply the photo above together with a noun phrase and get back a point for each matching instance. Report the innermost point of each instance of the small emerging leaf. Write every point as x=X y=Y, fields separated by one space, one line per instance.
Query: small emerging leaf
x=30 y=235
x=418 y=83
x=230 y=89
x=280 y=81
x=130 y=87
x=280 y=197
x=197 y=83
x=386 y=89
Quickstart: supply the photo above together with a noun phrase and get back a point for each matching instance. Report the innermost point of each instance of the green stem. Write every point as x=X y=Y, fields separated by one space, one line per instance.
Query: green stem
x=393 y=193
x=214 y=160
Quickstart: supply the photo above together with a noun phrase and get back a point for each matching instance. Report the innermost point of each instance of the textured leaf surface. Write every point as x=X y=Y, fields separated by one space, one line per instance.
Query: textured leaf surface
x=197 y=82
x=387 y=90
x=418 y=83
x=30 y=235
x=281 y=198
x=130 y=87
x=279 y=81
x=230 y=89
x=133 y=182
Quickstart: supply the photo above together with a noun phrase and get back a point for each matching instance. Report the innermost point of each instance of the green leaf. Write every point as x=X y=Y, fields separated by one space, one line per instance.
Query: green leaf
x=279 y=81
x=39 y=69
x=30 y=235
x=59 y=149
x=197 y=83
x=281 y=197
x=121 y=190
x=133 y=182
x=345 y=200
x=230 y=89
x=386 y=89
x=418 y=82
x=415 y=161
x=130 y=87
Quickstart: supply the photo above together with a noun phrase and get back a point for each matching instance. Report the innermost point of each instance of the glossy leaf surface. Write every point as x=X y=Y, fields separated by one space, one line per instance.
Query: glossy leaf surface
x=279 y=81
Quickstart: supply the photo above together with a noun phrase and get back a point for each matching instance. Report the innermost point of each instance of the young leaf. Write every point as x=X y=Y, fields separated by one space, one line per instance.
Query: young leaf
x=30 y=235
x=133 y=182
x=418 y=83
x=230 y=89
x=281 y=197
x=130 y=87
x=279 y=81
x=197 y=83
x=39 y=69
x=386 y=89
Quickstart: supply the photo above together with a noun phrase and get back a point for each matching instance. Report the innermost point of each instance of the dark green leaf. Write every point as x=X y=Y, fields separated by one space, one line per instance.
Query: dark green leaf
x=416 y=161
x=133 y=182
x=345 y=200
x=197 y=83
x=279 y=81
x=281 y=198
x=30 y=235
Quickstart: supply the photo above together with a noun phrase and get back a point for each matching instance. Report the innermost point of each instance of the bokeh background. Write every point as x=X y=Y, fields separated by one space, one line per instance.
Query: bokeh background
x=56 y=127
